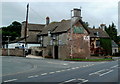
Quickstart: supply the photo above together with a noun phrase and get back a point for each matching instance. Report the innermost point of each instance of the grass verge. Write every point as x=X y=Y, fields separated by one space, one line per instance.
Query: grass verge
x=77 y=59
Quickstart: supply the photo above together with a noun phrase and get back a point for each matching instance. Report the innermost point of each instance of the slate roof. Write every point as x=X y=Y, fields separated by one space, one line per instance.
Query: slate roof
x=58 y=27
x=101 y=33
x=114 y=45
x=35 y=27
x=33 y=30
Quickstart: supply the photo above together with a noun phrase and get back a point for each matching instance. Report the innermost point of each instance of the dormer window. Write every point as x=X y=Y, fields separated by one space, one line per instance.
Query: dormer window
x=49 y=34
x=96 y=33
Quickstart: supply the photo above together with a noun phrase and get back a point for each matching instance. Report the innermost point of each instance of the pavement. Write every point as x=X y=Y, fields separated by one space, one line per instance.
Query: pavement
x=32 y=56
x=46 y=71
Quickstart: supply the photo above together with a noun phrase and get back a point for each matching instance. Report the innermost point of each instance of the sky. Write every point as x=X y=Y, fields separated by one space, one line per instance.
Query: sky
x=93 y=12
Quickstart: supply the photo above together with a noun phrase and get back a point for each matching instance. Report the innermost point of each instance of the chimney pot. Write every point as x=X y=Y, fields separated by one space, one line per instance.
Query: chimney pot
x=47 y=20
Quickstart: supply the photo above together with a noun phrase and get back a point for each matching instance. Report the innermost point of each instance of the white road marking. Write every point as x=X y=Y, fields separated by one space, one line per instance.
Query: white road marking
x=76 y=67
x=68 y=69
x=44 y=74
x=62 y=70
x=73 y=68
x=10 y=80
x=70 y=80
x=58 y=71
x=83 y=66
x=114 y=66
x=32 y=76
x=83 y=80
x=65 y=64
x=97 y=72
x=106 y=73
x=51 y=72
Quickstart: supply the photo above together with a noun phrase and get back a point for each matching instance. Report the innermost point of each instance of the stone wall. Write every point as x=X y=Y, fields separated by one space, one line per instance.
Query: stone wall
x=13 y=52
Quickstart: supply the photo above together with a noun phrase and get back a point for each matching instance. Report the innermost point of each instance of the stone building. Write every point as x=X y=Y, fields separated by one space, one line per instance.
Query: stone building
x=58 y=42
x=96 y=35
x=32 y=31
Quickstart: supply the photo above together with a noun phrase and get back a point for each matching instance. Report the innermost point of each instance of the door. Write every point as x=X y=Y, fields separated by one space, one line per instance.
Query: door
x=56 y=51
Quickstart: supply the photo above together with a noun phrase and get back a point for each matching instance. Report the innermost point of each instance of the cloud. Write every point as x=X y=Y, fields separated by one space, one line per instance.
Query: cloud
x=94 y=12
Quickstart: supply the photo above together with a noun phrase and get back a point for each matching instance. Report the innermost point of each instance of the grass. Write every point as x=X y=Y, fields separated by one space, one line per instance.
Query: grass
x=77 y=59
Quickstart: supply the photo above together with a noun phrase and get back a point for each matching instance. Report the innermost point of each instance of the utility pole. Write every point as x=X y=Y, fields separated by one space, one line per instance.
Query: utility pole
x=26 y=26
x=71 y=38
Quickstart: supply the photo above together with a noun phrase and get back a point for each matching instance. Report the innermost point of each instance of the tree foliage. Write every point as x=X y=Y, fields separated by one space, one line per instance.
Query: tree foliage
x=106 y=44
x=112 y=32
x=13 y=30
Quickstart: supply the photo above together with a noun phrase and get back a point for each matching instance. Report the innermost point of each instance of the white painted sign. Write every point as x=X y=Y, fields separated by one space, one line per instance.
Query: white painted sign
x=86 y=37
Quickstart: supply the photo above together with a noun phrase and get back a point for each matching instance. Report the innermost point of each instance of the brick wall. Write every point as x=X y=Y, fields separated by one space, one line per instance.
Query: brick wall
x=13 y=52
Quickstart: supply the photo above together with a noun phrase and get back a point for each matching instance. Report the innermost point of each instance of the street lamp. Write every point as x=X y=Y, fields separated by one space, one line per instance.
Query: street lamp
x=8 y=44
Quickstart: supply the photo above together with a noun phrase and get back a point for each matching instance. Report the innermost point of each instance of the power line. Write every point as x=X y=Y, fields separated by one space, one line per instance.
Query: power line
x=36 y=14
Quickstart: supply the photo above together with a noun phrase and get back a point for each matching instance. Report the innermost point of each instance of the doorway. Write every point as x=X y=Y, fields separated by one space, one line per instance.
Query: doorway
x=56 y=52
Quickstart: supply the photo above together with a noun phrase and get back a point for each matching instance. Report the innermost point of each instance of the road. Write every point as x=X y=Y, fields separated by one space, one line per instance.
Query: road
x=24 y=70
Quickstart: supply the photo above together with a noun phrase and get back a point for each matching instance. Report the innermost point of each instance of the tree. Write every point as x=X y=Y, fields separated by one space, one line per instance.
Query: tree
x=13 y=30
x=112 y=32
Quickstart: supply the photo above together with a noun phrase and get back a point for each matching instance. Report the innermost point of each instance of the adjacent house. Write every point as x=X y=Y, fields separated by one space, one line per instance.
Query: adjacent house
x=65 y=39
x=114 y=48
x=32 y=31
x=100 y=42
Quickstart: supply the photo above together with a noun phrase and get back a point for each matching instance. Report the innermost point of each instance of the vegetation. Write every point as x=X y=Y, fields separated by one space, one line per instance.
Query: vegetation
x=13 y=30
x=112 y=32
x=77 y=59
x=107 y=45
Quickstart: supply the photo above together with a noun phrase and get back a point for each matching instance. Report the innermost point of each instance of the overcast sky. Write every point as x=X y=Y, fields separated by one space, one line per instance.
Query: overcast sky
x=92 y=12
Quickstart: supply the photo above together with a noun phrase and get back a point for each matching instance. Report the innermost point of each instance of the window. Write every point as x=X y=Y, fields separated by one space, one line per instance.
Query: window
x=97 y=43
x=96 y=33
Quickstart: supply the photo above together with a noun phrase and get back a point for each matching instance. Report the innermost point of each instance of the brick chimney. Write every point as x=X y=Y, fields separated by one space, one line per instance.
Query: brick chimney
x=77 y=13
x=47 y=20
x=102 y=26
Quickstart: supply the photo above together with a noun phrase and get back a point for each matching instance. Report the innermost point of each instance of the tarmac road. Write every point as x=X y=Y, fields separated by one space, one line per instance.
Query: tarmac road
x=39 y=70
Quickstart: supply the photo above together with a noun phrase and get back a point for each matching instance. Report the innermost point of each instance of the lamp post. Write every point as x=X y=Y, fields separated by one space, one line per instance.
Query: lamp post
x=8 y=44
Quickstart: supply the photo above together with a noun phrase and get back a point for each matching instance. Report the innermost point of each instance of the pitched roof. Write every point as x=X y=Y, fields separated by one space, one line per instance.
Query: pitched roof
x=33 y=30
x=114 y=45
x=98 y=33
x=35 y=27
x=63 y=26
x=50 y=27
x=57 y=27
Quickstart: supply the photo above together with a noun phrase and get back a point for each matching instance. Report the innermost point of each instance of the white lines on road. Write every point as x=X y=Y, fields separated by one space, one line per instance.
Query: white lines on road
x=65 y=64
x=62 y=70
x=44 y=74
x=100 y=72
x=83 y=80
x=97 y=72
x=77 y=67
x=106 y=73
x=51 y=72
x=73 y=68
x=69 y=80
x=68 y=69
x=80 y=80
x=33 y=76
x=114 y=66
x=10 y=80
x=58 y=71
